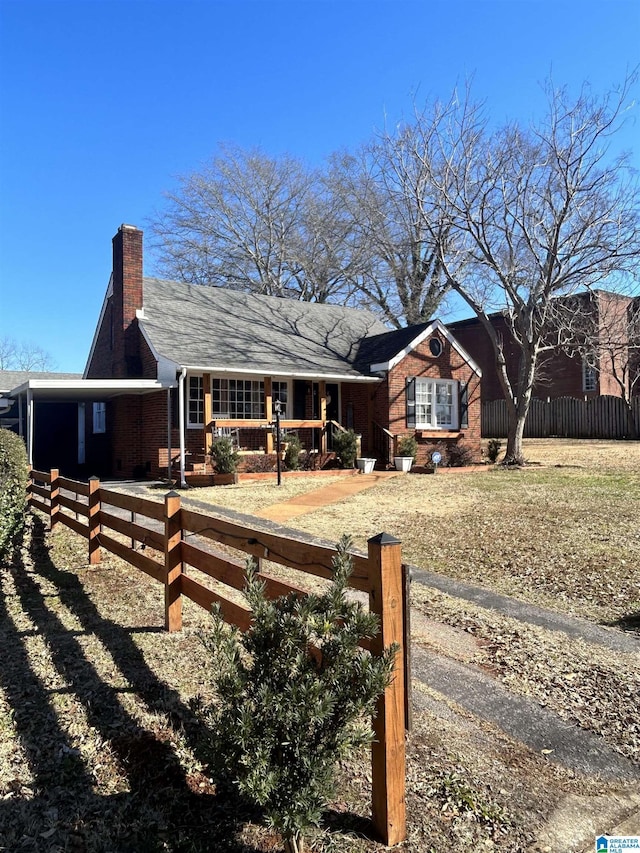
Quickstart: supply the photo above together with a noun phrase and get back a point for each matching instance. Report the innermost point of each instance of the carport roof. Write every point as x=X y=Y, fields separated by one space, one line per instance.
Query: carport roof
x=88 y=389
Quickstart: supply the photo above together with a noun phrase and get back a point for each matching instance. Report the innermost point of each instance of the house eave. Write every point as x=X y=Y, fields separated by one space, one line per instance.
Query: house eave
x=294 y=374
x=430 y=329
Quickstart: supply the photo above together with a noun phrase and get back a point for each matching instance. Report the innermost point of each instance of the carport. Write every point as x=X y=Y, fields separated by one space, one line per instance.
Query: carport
x=53 y=414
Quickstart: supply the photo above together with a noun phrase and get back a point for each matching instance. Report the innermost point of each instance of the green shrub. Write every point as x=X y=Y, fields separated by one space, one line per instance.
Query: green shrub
x=408 y=446
x=14 y=473
x=285 y=716
x=224 y=457
x=292 y=452
x=345 y=445
x=493 y=449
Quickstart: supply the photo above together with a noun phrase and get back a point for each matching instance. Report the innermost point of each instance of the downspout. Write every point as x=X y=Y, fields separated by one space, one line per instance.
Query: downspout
x=169 y=448
x=183 y=374
x=30 y=421
x=20 y=417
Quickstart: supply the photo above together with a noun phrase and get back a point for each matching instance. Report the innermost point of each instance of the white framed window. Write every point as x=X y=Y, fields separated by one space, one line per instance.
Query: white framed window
x=99 y=418
x=280 y=391
x=195 y=402
x=240 y=399
x=589 y=376
x=432 y=403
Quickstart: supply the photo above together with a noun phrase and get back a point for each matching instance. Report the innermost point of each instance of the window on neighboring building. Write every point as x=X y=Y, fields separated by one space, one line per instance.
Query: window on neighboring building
x=195 y=402
x=238 y=398
x=280 y=391
x=432 y=403
x=99 y=417
x=589 y=376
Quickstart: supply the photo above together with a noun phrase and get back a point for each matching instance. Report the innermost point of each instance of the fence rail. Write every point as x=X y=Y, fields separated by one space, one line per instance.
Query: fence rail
x=568 y=417
x=91 y=511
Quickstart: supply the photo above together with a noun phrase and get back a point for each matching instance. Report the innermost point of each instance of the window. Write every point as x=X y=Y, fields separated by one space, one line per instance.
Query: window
x=195 y=402
x=238 y=398
x=435 y=347
x=280 y=391
x=432 y=403
x=99 y=417
x=589 y=378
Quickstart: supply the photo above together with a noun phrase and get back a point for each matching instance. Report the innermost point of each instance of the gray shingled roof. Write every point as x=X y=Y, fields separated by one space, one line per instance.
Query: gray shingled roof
x=214 y=327
x=10 y=379
x=377 y=349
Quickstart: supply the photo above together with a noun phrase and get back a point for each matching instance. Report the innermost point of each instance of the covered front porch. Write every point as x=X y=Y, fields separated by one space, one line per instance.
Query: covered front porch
x=244 y=409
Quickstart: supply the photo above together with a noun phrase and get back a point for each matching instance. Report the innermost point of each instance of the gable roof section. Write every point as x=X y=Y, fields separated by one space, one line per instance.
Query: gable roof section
x=383 y=352
x=217 y=329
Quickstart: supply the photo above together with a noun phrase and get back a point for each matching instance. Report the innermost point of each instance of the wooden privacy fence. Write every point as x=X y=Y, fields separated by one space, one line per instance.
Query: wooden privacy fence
x=567 y=417
x=155 y=541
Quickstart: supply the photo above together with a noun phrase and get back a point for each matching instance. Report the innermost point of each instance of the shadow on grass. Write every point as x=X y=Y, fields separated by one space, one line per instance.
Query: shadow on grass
x=47 y=677
x=629 y=622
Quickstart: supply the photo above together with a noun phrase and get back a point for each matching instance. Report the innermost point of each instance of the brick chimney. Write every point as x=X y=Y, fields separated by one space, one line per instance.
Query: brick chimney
x=127 y=299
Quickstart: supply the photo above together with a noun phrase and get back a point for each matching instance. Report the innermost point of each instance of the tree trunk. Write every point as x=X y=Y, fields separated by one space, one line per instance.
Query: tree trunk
x=519 y=409
x=294 y=844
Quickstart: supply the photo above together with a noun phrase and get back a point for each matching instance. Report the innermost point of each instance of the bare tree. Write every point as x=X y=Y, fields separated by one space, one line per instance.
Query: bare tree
x=602 y=329
x=532 y=213
x=252 y=222
x=395 y=261
x=23 y=356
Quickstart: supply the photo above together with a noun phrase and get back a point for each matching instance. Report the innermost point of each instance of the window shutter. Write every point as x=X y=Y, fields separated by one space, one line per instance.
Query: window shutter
x=464 y=406
x=410 y=392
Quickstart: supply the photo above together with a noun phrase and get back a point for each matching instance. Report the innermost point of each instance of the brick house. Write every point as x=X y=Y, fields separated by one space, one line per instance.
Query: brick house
x=561 y=374
x=172 y=365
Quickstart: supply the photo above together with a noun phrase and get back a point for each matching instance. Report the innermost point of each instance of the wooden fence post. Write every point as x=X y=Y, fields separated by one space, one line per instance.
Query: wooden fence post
x=93 y=521
x=388 y=749
x=406 y=629
x=173 y=562
x=54 y=497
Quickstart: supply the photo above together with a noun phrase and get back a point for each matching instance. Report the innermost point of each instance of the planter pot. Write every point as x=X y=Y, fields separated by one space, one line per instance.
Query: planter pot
x=403 y=463
x=365 y=465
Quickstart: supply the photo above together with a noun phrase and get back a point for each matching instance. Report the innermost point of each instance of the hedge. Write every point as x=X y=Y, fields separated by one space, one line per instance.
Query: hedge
x=14 y=473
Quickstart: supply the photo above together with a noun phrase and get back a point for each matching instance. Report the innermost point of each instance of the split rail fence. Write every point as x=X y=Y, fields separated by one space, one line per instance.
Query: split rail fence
x=163 y=529
x=567 y=417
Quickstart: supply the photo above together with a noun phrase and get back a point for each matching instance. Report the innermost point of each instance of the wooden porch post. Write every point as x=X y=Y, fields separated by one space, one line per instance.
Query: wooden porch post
x=93 y=521
x=388 y=749
x=322 y=394
x=173 y=562
x=268 y=408
x=208 y=415
x=54 y=497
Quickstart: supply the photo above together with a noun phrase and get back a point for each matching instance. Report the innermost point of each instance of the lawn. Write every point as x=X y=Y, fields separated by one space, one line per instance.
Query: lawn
x=563 y=532
x=100 y=749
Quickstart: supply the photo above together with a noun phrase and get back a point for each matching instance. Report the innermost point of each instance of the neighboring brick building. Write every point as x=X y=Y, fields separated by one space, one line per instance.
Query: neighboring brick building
x=560 y=374
x=171 y=365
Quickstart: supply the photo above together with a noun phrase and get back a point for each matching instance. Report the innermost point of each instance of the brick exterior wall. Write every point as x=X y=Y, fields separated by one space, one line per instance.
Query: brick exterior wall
x=559 y=375
x=390 y=402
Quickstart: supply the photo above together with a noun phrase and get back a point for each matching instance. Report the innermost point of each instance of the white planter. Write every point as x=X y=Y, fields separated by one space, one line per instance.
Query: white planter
x=365 y=465
x=403 y=463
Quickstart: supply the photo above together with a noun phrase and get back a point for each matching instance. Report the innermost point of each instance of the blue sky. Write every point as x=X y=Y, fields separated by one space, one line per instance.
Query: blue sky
x=103 y=103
